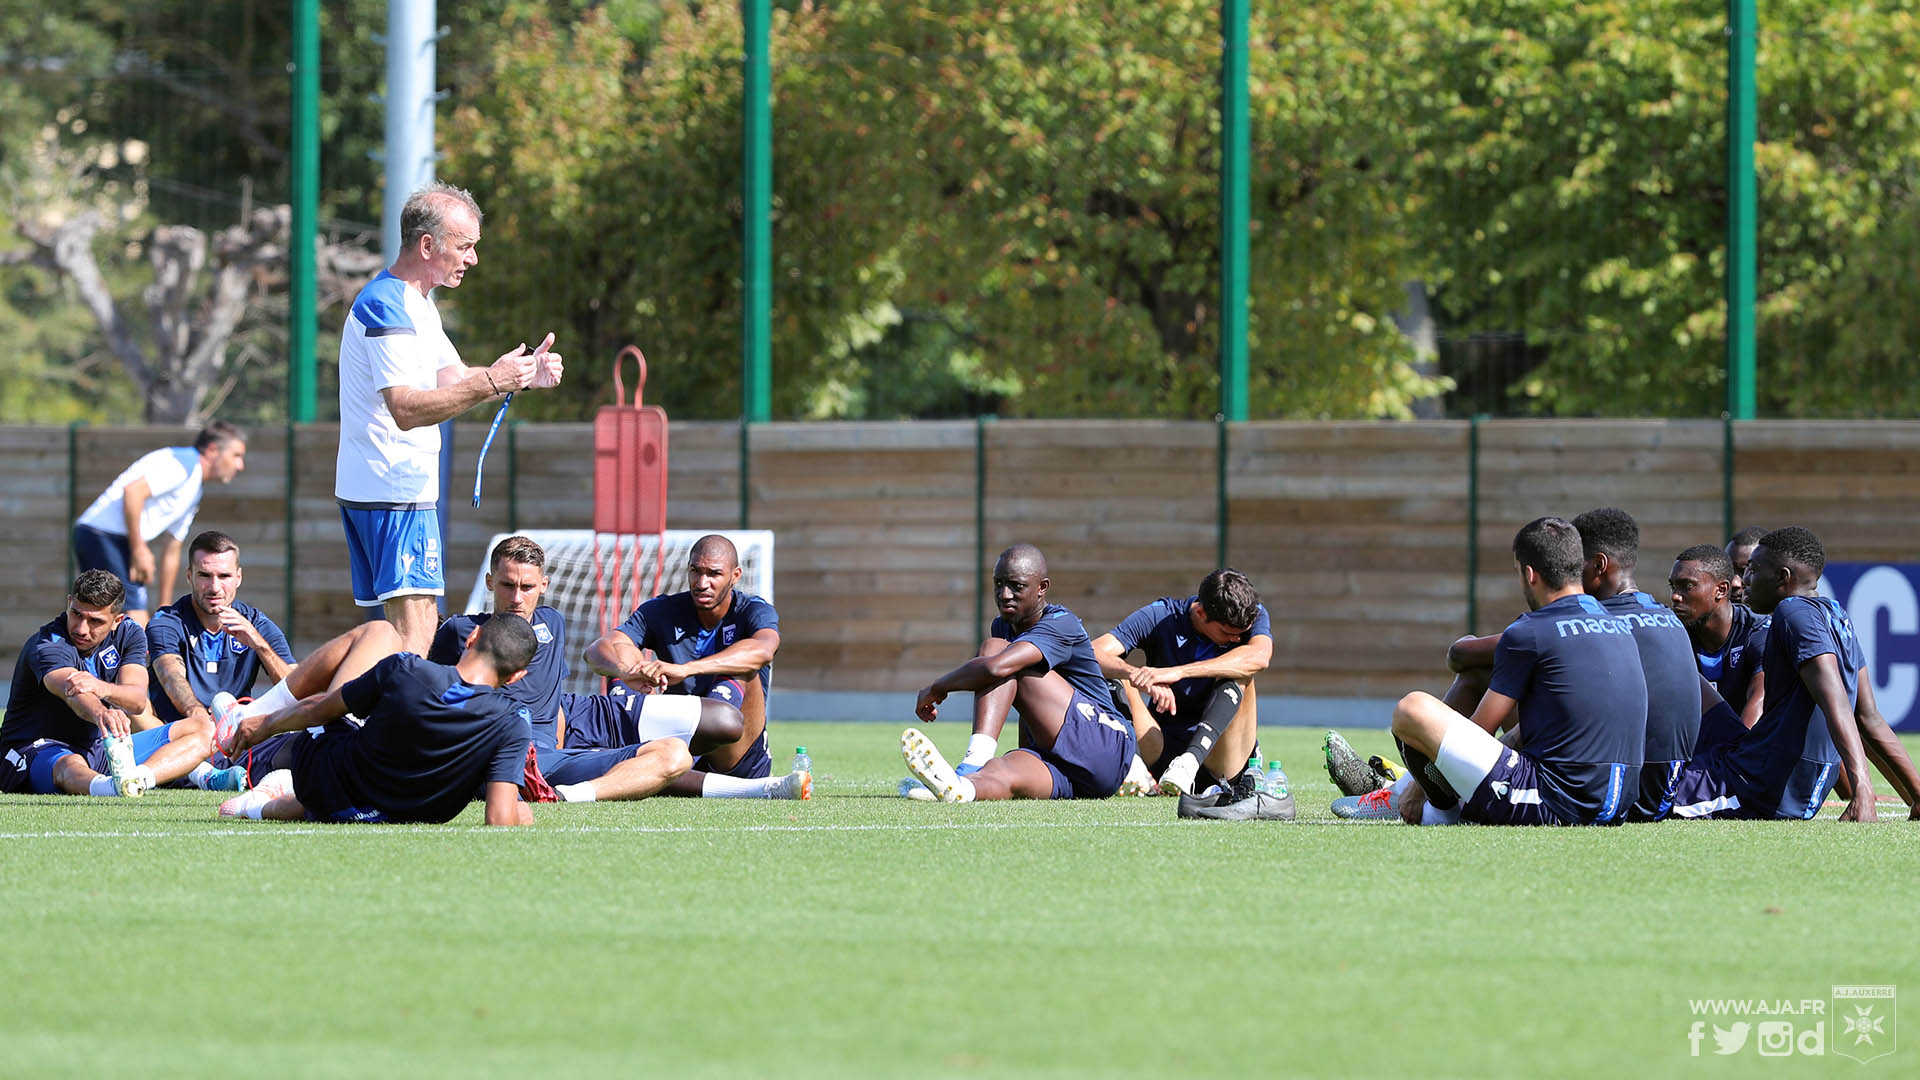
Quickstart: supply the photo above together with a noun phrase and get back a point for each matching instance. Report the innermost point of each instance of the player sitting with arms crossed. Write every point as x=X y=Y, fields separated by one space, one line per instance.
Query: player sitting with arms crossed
x=1820 y=716
x=1073 y=743
x=67 y=724
x=705 y=642
x=435 y=735
x=678 y=725
x=1192 y=702
x=1567 y=676
x=209 y=642
x=1727 y=638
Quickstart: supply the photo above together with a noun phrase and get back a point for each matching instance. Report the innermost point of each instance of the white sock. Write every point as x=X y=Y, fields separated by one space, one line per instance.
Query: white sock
x=980 y=749
x=718 y=786
x=201 y=776
x=580 y=792
x=102 y=787
x=966 y=789
x=274 y=700
x=254 y=807
x=1399 y=786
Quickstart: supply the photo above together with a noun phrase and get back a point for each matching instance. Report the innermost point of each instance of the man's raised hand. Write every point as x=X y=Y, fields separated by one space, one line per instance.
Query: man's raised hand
x=513 y=371
x=547 y=366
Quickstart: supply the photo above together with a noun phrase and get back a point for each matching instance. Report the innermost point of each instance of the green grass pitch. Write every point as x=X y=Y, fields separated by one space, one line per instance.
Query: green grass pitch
x=863 y=935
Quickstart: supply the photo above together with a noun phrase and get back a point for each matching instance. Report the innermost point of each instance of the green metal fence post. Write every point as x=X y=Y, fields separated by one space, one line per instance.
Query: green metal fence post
x=1473 y=523
x=1235 y=148
x=746 y=473
x=756 y=363
x=292 y=496
x=306 y=203
x=1220 y=492
x=1726 y=475
x=1742 y=209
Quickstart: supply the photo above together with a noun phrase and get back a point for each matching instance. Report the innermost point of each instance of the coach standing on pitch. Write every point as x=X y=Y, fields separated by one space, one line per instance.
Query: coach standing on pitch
x=399 y=379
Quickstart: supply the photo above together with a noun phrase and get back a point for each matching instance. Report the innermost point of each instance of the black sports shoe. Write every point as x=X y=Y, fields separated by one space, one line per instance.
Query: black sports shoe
x=1191 y=805
x=1349 y=771
x=1259 y=806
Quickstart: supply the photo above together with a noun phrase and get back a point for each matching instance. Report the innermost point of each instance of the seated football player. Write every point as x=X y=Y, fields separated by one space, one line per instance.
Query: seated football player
x=1073 y=742
x=1727 y=637
x=517 y=577
x=210 y=642
x=79 y=680
x=712 y=641
x=1820 y=718
x=1192 y=703
x=1567 y=675
x=434 y=736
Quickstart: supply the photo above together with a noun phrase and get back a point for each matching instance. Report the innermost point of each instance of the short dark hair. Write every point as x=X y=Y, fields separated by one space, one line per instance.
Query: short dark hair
x=508 y=643
x=1746 y=537
x=1796 y=546
x=425 y=212
x=714 y=544
x=211 y=541
x=1612 y=532
x=1713 y=561
x=1229 y=598
x=219 y=431
x=520 y=549
x=98 y=589
x=1551 y=546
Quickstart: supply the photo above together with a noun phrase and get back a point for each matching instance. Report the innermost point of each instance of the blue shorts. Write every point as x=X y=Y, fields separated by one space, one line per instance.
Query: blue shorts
x=393 y=553
x=1510 y=795
x=96 y=550
x=1091 y=754
x=28 y=769
x=601 y=721
x=574 y=766
x=275 y=753
x=1704 y=787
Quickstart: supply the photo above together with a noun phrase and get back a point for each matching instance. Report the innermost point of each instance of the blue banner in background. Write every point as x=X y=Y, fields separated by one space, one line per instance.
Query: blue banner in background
x=1883 y=600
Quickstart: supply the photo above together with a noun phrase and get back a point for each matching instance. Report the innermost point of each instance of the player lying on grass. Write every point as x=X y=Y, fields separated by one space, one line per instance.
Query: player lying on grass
x=1820 y=717
x=1073 y=743
x=1567 y=675
x=1727 y=637
x=1192 y=703
x=705 y=643
x=68 y=727
x=435 y=736
x=210 y=642
x=579 y=771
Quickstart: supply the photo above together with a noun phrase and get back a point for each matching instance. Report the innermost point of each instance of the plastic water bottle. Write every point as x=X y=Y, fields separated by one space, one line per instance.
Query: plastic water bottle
x=1275 y=783
x=801 y=762
x=1259 y=775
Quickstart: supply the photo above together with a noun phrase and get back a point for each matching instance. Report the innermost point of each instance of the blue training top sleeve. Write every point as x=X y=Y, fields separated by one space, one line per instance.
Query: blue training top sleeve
x=166 y=635
x=49 y=655
x=1262 y=623
x=446 y=643
x=509 y=764
x=362 y=693
x=1047 y=635
x=1810 y=634
x=636 y=626
x=1513 y=661
x=132 y=643
x=759 y=616
x=1135 y=627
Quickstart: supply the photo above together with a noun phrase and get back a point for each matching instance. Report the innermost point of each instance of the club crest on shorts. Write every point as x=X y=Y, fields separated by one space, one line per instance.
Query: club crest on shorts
x=542 y=634
x=1086 y=711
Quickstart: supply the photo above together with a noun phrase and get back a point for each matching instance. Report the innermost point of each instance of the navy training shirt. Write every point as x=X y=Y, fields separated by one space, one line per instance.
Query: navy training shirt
x=431 y=743
x=216 y=660
x=1163 y=630
x=1064 y=647
x=35 y=712
x=539 y=688
x=1731 y=669
x=670 y=626
x=1574 y=669
x=1673 y=696
x=1786 y=765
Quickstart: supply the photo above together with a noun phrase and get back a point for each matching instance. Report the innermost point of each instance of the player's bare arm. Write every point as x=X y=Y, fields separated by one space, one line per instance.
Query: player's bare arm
x=1884 y=749
x=242 y=629
x=172 y=672
x=743 y=657
x=504 y=806
x=1756 y=699
x=83 y=694
x=616 y=657
x=313 y=710
x=1238 y=663
x=1822 y=677
x=1471 y=652
x=1114 y=665
x=991 y=708
x=169 y=568
x=128 y=690
x=139 y=555
x=461 y=388
x=979 y=673
x=1496 y=713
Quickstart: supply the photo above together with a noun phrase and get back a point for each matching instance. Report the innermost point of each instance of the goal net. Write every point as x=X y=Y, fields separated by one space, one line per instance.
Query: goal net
x=574 y=590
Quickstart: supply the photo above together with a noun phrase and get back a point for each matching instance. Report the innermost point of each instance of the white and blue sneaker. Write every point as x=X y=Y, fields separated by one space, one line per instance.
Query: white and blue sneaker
x=912 y=788
x=130 y=780
x=925 y=763
x=232 y=778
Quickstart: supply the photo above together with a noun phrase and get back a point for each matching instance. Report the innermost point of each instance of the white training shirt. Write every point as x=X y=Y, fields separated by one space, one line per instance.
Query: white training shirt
x=393 y=337
x=173 y=495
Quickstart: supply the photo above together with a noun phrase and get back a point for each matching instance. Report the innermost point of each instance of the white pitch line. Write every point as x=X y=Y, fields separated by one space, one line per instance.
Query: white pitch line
x=406 y=830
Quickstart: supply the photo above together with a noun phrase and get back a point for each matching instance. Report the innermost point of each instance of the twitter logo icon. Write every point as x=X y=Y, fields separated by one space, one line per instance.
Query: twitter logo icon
x=1732 y=1041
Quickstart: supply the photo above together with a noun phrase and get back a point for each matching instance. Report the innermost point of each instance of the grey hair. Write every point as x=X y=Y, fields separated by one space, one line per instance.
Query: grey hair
x=425 y=212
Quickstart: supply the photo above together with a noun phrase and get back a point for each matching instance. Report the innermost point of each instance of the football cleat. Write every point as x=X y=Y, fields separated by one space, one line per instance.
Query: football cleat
x=926 y=764
x=1387 y=769
x=225 y=722
x=1258 y=806
x=1373 y=806
x=130 y=780
x=1139 y=780
x=271 y=786
x=797 y=784
x=1179 y=776
x=1349 y=773
x=232 y=778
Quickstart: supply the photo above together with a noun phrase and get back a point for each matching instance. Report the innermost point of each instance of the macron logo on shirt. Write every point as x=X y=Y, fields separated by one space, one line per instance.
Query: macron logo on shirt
x=679 y=632
x=1179 y=642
